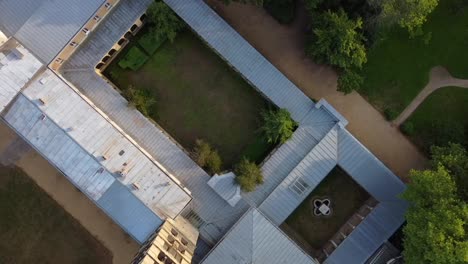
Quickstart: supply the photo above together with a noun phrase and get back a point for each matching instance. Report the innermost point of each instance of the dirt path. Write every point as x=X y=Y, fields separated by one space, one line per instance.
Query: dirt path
x=438 y=78
x=284 y=47
x=73 y=201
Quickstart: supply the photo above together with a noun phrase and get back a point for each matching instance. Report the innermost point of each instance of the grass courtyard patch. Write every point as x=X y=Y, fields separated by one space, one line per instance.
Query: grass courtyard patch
x=346 y=198
x=35 y=229
x=198 y=96
x=398 y=67
x=441 y=118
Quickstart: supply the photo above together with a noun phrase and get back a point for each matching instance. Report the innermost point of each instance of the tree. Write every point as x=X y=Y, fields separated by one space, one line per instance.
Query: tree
x=409 y=14
x=207 y=157
x=435 y=230
x=248 y=175
x=140 y=99
x=455 y=159
x=164 y=22
x=278 y=126
x=348 y=81
x=337 y=41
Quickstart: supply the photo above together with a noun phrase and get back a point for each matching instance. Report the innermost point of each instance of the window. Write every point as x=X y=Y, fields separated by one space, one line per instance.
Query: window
x=299 y=186
x=73 y=44
x=59 y=60
x=108 y=5
x=97 y=18
x=85 y=30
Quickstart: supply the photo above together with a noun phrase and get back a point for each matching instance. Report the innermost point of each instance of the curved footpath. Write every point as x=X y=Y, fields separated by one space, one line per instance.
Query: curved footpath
x=283 y=46
x=439 y=77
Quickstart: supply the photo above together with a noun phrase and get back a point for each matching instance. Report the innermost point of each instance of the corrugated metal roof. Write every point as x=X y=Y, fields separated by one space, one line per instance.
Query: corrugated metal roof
x=45 y=26
x=256 y=240
x=312 y=169
x=109 y=31
x=129 y=212
x=105 y=143
x=15 y=72
x=57 y=147
x=242 y=56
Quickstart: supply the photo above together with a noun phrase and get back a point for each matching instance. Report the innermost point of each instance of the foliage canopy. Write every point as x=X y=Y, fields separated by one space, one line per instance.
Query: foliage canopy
x=278 y=126
x=248 y=175
x=436 y=219
x=337 y=41
x=164 y=22
x=207 y=157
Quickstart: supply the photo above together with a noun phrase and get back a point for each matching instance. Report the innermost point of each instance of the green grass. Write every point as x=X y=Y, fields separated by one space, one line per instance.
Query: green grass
x=442 y=117
x=346 y=198
x=398 y=67
x=35 y=229
x=200 y=97
x=134 y=59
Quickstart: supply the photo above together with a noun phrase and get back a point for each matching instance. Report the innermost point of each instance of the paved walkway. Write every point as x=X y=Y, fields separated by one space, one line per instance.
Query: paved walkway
x=122 y=247
x=438 y=78
x=283 y=46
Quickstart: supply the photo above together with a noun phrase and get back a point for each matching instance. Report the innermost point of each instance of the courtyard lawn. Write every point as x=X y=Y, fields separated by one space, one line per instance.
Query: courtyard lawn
x=441 y=118
x=35 y=229
x=346 y=198
x=398 y=67
x=198 y=96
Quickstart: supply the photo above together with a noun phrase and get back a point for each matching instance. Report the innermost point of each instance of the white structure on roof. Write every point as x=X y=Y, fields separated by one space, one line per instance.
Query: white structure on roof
x=17 y=67
x=225 y=186
x=255 y=240
x=3 y=38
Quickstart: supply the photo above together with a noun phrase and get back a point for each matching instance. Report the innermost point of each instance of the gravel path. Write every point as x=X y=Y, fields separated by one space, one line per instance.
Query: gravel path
x=439 y=77
x=284 y=47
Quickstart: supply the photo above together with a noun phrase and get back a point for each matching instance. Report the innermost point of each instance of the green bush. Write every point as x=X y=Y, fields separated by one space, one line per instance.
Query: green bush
x=408 y=128
x=207 y=157
x=248 y=175
x=150 y=43
x=283 y=11
x=134 y=59
x=278 y=126
x=390 y=114
x=140 y=99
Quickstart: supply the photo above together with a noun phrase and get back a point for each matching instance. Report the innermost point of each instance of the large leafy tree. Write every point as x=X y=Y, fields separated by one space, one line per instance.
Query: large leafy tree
x=164 y=22
x=248 y=175
x=436 y=220
x=409 y=14
x=337 y=41
x=278 y=126
x=455 y=159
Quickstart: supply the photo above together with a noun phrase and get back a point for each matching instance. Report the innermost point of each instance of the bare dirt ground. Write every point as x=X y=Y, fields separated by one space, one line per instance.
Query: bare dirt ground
x=439 y=77
x=71 y=199
x=283 y=46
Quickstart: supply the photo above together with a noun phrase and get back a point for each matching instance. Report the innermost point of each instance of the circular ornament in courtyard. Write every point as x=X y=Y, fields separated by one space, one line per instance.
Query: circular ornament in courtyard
x=321 y=207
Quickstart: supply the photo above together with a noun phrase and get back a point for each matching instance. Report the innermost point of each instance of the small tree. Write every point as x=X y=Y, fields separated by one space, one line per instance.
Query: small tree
x=278 y=125
x=205 y=156
x=435 y=231
x=140 y=99
x=248 y=175
x=337 y=41
x=164 y=22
